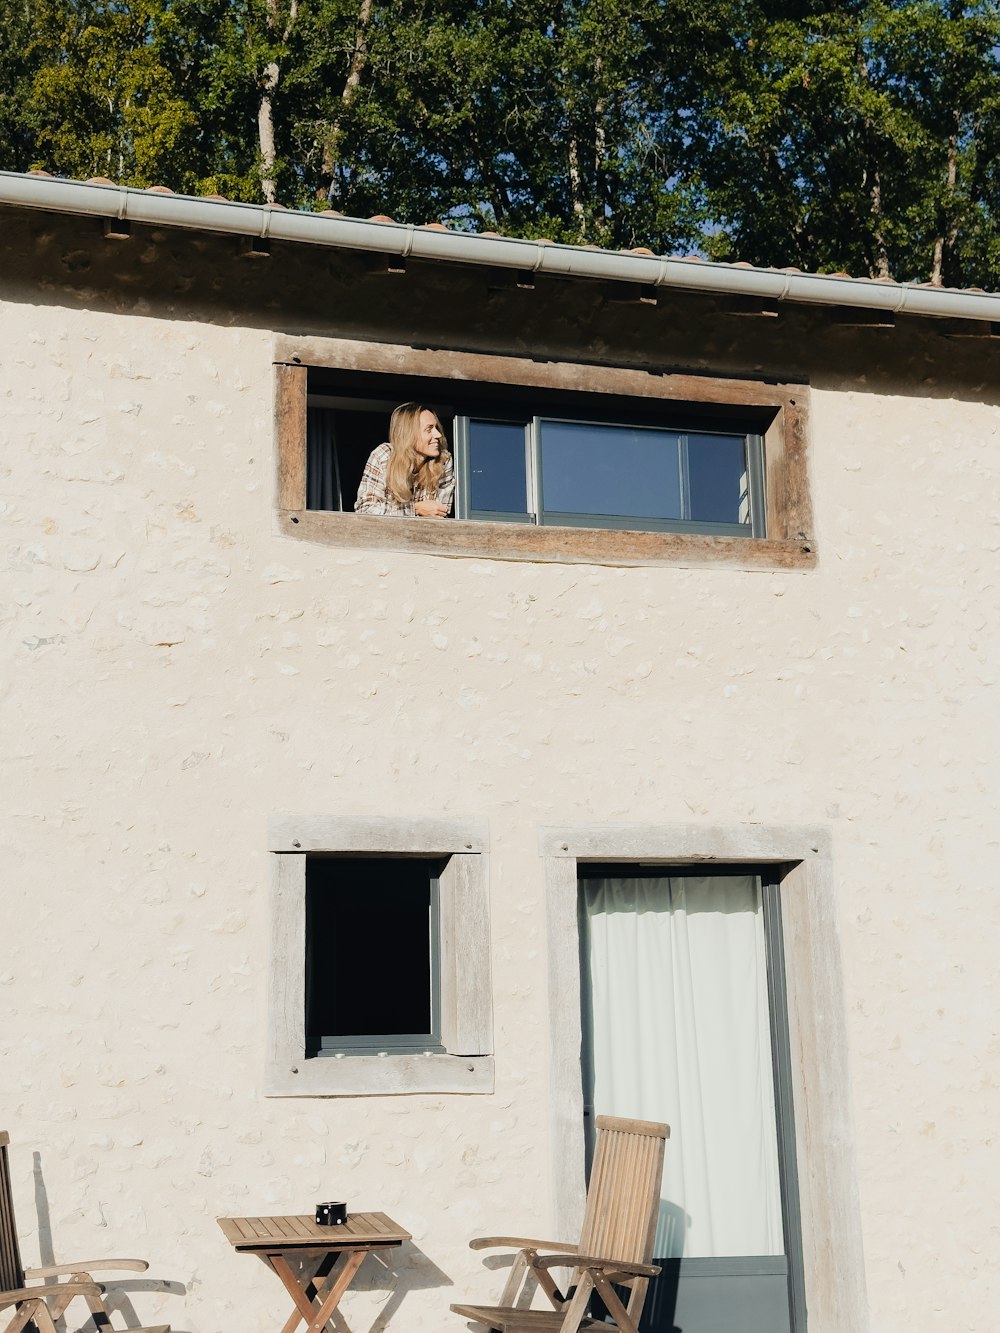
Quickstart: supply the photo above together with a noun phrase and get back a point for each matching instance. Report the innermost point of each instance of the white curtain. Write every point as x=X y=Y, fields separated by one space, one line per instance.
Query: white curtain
x=679 y=1032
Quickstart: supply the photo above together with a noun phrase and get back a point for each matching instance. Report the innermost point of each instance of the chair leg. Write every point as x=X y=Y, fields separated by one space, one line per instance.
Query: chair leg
x=514 y=1278
x=577 y=1307
x=21 y=1323
x=637 y=1298
x=99 y=1314
x=545 y=1281
x=613 y=1305
x=31 y=1315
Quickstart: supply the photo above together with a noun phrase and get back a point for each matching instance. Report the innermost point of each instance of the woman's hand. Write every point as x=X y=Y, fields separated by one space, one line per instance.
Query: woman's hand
x=430 y=509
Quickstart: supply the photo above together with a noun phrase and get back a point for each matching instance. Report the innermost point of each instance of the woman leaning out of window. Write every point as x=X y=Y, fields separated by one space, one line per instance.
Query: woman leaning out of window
x=413 y=473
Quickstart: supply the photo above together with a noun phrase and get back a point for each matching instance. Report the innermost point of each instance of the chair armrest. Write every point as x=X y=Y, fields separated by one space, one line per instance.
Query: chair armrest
x=40 y=1293
x=89 y=1266
x=519 y=1243
x=590 y=1261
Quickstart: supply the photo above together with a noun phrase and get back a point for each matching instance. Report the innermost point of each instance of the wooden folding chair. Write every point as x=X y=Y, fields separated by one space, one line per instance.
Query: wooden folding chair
x=616 y=1243
x=38 y=1307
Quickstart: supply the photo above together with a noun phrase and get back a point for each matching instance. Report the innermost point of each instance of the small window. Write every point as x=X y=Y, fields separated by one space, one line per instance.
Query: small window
x=372 y=955
x=379 y=975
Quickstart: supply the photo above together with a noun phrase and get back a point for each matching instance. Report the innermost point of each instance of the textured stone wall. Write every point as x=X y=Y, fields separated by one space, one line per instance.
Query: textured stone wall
x=175 y=673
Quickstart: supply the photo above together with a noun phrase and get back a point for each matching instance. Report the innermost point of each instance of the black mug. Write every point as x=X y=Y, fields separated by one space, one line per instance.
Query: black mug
x=331 y=1214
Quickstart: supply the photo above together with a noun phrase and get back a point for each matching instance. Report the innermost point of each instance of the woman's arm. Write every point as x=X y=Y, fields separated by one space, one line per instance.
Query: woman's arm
x=436 y=503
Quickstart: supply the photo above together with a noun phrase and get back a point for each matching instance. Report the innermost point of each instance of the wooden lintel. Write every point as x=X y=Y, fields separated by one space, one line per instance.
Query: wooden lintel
x=345 y=354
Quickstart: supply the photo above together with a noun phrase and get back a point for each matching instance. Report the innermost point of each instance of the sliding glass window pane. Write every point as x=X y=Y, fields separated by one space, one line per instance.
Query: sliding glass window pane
x=626 y=471
x=497 y=467
x=717 y=478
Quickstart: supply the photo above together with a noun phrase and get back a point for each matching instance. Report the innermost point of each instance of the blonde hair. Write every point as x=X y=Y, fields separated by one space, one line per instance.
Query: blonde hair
x=410 y=475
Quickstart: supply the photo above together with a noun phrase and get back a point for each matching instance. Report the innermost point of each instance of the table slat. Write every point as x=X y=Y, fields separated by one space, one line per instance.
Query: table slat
x=302 y=1232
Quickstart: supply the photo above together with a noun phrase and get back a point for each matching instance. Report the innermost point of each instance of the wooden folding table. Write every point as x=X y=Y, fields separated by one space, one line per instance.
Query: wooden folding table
x=340 y=1250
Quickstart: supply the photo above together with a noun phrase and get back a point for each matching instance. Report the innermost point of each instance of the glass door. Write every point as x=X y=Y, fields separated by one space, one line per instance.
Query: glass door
x=684 y=1022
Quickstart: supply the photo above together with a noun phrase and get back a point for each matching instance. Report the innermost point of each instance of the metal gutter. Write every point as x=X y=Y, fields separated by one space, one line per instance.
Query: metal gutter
x=154 y=208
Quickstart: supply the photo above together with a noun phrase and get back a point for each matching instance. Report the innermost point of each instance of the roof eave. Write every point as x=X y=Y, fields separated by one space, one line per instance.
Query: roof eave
x=164 y=209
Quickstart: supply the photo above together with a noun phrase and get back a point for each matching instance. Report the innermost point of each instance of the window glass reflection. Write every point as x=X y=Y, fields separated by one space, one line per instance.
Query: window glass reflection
x=497 y=467
x=716 y=470
x=626 y=471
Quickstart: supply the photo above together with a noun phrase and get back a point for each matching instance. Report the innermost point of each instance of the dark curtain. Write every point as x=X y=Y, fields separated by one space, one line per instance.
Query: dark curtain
x=322 y=470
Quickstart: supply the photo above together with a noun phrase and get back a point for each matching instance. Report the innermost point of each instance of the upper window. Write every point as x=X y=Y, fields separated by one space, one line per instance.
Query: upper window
x=563 y=470
x=552 y=461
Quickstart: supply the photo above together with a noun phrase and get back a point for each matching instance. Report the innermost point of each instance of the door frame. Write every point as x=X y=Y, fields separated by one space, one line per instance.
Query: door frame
x=817 y=1084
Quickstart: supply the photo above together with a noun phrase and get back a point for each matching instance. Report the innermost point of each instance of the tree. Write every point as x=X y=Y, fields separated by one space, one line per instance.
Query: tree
x=16 y=133
x=862 y=135
x=113 y=88
x=846 y=136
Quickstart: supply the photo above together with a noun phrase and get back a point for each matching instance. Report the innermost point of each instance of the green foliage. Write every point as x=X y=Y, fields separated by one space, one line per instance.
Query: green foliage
x=856 y=131
x=108 y=95
x=862 y=135
x=16 y=137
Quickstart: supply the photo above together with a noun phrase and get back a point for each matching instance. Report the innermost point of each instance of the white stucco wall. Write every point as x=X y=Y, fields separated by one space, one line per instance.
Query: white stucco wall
x=175 y=674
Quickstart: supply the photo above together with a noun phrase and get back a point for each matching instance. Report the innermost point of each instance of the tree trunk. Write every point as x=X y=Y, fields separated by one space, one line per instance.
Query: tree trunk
x=576 y=188
x=880 y=267
x=265 y=131
x=359 y=58
x=268 y=81
x=879 y=259
x=945 y=240
x=600 y=148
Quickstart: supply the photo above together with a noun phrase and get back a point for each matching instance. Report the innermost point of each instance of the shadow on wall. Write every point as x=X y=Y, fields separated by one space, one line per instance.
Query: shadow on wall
x=48 y=259
x=395 y=1273
x=660 y=1309
x=408 y=1269
x=117 y=1295
x=661 y=1301
x=45 y=1251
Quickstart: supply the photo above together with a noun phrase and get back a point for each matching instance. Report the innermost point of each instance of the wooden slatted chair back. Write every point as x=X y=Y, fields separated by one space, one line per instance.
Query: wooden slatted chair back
x=623 y=1199
x=11 y=1270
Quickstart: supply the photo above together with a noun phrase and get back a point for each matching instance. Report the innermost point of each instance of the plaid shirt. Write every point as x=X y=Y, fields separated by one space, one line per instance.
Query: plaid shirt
x=374 y=498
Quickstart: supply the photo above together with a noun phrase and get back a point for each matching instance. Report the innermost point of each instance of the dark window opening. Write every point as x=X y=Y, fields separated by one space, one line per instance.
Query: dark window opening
x=372 y=963
x=543 y=457
x=341 y=435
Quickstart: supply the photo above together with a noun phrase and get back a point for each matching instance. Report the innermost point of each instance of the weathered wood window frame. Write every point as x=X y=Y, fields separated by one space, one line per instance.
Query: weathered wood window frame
x=466 y=998
x=789 y=542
